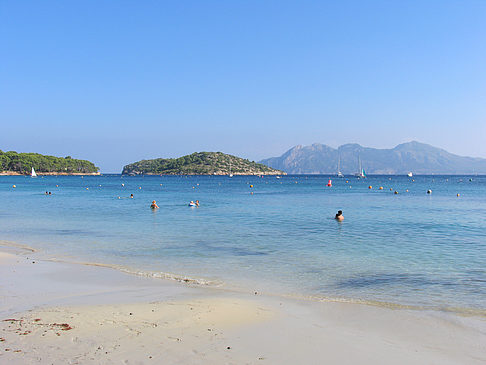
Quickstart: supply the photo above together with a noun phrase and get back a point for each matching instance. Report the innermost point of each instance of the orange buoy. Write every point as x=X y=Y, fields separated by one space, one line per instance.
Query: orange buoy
x=329 y=183
x=370 y=187
x=381 y=188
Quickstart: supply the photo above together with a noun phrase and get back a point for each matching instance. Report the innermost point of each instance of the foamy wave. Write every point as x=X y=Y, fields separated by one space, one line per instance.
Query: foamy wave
x=173 y=277
x=148 y=274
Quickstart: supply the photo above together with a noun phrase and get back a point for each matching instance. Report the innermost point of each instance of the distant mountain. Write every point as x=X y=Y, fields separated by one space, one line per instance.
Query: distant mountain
x=199 y=163
x=415 y=157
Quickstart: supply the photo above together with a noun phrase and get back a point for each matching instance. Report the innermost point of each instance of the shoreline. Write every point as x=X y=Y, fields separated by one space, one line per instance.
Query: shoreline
x=213 y=174
x=114 y=316
x=12 y=173
x=180 y=278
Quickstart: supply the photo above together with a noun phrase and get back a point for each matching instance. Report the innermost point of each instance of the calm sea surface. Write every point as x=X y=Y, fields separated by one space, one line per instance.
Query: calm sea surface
x=411 y=248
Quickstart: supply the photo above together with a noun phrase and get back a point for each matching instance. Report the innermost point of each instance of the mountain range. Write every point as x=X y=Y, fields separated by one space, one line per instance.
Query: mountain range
x=416 y=157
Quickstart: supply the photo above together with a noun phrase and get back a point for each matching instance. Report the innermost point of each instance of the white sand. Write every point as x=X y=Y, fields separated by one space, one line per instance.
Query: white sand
x=75 y=314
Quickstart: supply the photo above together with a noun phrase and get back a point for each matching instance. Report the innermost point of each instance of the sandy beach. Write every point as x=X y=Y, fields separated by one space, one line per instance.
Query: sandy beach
x=61 y=313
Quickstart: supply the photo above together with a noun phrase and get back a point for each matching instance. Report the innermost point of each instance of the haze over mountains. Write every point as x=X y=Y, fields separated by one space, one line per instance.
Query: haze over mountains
x=419 y=158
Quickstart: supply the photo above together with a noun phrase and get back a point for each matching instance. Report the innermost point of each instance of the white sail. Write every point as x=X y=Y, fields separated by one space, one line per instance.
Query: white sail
x=339 y=173
x=33 y=174
x=361 y=173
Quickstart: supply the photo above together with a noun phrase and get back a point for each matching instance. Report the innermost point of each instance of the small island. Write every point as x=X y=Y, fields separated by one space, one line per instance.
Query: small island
x=200 y=163
x=14 y=163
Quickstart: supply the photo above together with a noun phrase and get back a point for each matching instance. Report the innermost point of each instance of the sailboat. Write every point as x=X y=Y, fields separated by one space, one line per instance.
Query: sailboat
x=339 y=173
x=361 y=172
x=230 y=174
x=33 y=174
x=410 y=174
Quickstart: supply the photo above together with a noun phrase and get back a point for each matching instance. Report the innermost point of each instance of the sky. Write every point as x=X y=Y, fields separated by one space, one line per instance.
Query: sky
x=119 y=81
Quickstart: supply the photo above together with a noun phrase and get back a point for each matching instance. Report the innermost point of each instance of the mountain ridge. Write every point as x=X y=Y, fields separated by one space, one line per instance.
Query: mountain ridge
x=413 y=156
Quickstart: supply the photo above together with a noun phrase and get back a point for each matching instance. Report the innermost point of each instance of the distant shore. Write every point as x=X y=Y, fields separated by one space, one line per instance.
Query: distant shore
x=13 y=173
x=114 y=317
x=258 y=173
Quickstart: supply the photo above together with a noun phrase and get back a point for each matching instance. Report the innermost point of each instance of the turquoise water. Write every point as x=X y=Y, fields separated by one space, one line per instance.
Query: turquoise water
x=412 y=248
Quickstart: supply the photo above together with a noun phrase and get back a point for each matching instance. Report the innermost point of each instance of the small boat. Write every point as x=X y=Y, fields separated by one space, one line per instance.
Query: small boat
x=33 y=174
x=361 y=173
x=409 y=174
x=339 y=173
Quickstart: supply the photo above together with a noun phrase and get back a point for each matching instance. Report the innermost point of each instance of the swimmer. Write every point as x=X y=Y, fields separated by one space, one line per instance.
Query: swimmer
x=197 y=203
x=339 y=216
x=47 y=193
x=154 y=205
x=131 y=196
x=192 y=204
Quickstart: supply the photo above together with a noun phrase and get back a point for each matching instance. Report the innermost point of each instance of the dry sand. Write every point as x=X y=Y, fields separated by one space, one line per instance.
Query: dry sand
x=58 y=313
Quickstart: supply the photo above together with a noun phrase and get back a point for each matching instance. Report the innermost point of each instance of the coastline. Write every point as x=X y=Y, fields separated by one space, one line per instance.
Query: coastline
x=113 y=316
x=13 y=173
x=9 y=247
x=257 y=173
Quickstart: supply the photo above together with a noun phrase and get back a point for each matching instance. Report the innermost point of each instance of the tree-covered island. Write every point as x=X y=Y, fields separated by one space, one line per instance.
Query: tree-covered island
x=13 y=163
x=199 y=163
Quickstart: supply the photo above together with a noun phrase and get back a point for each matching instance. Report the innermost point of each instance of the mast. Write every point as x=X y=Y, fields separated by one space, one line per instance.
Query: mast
x=339 y=173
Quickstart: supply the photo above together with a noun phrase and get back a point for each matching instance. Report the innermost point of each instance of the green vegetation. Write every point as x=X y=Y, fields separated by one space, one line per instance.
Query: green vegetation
x=199 y=163
x=22 y=163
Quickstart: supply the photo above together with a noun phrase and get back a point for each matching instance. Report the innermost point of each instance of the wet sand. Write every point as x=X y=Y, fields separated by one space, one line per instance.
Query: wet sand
x=59 y=313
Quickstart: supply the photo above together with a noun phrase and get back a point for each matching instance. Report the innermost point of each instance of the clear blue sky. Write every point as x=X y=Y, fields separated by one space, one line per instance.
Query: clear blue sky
x=118 y=81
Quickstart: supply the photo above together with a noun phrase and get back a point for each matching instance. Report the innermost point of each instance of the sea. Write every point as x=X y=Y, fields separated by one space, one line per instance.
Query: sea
x=398 y=244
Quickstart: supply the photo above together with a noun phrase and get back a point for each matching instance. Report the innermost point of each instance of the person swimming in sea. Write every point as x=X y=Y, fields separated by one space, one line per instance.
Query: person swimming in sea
x=197 y=203
x=131 y=196
x=154 y=205
x=339 y=216
x=192 y=204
